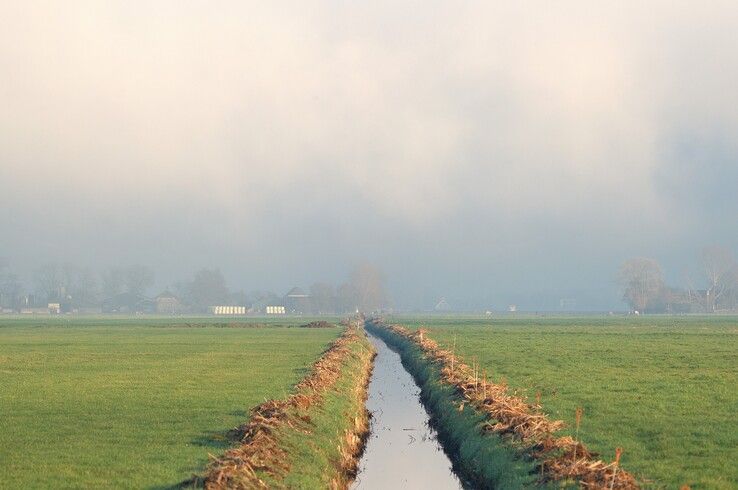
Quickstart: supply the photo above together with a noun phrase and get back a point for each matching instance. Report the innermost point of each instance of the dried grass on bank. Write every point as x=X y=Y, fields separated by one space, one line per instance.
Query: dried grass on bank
x=559 y=458
x=260 y=456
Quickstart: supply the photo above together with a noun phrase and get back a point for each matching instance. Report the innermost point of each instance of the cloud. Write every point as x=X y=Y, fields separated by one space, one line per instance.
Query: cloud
x=272 y=135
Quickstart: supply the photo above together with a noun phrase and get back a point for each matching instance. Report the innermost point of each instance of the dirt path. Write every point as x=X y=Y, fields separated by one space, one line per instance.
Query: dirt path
x=402 y=450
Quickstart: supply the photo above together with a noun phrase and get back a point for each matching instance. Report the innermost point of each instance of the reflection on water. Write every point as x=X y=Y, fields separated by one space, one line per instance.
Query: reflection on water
x=402 y=451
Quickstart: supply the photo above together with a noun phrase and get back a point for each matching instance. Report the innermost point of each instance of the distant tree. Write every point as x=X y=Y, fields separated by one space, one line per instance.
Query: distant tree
x=66 y=283
x=138 y=278
x=323 y=298
x=208 y=288
x=721 y=272
x=642 y=282
x=238 y=298
x=181 y=289
x=347 y=298
x=113 y=281
x=49 y=282
x=367 y=283
x=10 y=287
x=80 y=285
x=263 y=298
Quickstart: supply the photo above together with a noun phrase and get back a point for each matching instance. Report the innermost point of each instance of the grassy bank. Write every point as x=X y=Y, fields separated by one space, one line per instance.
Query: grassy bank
x=311 y=439
x=663 y=388
x=129 y=405
x=480 y=458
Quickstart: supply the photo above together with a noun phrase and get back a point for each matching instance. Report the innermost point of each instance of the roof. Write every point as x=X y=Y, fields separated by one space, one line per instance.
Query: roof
x=296 y=292
x=166 y=295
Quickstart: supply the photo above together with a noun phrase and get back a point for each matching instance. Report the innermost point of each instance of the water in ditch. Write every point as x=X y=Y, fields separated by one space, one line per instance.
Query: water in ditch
x=402 y=450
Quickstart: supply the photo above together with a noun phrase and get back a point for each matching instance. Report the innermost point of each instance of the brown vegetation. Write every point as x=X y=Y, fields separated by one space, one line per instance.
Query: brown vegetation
x=559 y=458
x=259 y=452
x=318 y=324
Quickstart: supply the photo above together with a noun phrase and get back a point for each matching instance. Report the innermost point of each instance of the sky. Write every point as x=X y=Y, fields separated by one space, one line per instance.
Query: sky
x=487 y=152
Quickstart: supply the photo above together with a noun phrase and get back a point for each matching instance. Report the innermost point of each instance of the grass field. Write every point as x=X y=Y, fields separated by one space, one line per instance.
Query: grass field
x=94 y=403
x=663 y=388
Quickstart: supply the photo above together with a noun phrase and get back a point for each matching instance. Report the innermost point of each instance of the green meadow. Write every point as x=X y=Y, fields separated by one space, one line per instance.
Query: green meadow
x=135 y=403
x=665 y=389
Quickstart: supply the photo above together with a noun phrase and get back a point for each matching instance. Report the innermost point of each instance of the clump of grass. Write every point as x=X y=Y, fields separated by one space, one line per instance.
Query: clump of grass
x=578 y=421
x=616 y=466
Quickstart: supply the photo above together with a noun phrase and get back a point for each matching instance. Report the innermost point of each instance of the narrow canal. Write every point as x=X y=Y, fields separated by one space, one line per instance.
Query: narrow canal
x=402 y=450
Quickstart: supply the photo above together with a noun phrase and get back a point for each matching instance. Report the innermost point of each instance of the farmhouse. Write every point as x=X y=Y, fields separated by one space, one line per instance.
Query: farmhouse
x=297 y=301
x=167 y=304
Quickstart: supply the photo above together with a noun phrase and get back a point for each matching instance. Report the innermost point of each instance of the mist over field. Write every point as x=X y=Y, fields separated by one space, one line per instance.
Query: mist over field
x=486 y=152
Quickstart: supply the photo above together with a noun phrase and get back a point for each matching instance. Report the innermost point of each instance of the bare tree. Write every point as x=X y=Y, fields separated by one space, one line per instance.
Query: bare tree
x=138 y=278
x=66 y=283
x=263 y=298
x=642 y=282
x=323 y=297
x=135 y=279
x=113 y=281
x=207 y=289
x=347 y=298
x=82 y=286
x=720 y=269
x=49 y=282
x=367 y=283
x=10 y=287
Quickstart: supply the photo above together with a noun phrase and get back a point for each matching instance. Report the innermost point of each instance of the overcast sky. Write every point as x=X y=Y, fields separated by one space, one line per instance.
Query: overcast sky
x=489 y=152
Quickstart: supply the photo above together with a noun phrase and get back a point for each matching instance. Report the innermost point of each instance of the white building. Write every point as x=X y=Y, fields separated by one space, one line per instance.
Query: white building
x=228 y=310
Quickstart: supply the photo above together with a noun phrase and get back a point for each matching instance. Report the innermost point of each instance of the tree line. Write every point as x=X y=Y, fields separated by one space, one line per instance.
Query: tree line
x=69 y=283
x=80 y=288
x=645 y=290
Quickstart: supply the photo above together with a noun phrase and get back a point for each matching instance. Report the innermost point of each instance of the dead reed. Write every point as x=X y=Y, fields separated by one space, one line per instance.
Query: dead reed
x=259 y=452
x=559 y=458
x=578 y=416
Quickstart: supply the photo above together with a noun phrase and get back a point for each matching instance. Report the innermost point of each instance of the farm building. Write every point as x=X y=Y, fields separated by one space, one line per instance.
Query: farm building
x=297 y=301
x=168 y=304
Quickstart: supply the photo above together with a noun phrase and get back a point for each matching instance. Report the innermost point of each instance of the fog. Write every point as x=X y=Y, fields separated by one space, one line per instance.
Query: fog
x=486 y=152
